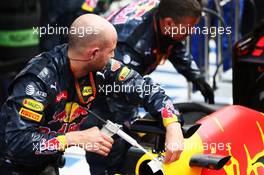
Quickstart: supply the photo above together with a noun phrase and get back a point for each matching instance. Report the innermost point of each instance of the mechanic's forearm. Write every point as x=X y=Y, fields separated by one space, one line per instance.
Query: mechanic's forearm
x=157 y=102
x=172 y=124
x=174 y=143
x=92 y=139
x=144 y=92
x=189 y=72
x=185 y=66
x=74 y=138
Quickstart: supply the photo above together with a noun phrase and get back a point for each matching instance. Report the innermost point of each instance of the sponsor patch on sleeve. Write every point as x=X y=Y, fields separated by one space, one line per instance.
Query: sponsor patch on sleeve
x=28 y=114
x=115 y=65
x=168 y=116
x=33 y=104
x=124 y=73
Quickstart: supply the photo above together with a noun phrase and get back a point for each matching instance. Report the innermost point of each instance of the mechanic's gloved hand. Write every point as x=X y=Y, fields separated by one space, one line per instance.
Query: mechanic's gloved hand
x=205 y=89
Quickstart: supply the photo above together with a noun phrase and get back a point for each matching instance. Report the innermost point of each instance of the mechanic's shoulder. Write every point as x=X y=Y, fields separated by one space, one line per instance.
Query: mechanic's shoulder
x=114 y=64
x=130 y=25
x=43 y=66
x=118 y=69
x=38 y=66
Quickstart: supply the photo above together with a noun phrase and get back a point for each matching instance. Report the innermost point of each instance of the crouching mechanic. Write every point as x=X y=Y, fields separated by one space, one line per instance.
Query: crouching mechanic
x=48 y=99
x=145 y=40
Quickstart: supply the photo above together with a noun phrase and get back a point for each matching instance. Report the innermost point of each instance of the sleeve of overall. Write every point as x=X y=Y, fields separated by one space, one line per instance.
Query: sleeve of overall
x=187 y=67
x=25 y=110
x=183 y=63
x=141 y=90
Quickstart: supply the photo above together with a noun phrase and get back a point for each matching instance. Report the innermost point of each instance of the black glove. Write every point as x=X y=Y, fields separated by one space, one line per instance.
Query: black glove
x=205 y=89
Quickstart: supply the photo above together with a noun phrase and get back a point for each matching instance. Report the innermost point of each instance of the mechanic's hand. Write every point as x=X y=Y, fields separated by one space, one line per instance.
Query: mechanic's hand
x=205 y=89
x=174 y=143
x=92 y=140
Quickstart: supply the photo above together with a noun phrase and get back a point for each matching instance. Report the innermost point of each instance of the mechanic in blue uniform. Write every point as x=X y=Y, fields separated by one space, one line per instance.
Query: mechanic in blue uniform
x=48 y=99
x=146 y=38
x=144 y=41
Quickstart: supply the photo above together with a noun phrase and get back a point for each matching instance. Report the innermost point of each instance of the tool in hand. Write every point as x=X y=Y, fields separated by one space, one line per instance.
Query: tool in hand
x=111 y=129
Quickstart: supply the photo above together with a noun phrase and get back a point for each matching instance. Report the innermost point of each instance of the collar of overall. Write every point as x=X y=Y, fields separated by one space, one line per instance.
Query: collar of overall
x=90 y=78
x=78 y=90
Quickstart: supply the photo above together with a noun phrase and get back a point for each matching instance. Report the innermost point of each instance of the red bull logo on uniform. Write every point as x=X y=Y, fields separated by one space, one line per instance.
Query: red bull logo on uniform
x=70 y=113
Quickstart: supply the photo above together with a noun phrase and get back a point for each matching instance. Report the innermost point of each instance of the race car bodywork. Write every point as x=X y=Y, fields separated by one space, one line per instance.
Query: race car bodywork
x=233 y=131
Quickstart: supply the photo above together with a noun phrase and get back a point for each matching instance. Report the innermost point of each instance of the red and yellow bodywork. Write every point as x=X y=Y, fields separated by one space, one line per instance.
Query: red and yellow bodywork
x=234 y=130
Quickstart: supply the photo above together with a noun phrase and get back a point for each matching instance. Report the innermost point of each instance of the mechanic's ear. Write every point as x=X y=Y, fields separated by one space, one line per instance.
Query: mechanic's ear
x=93 y=53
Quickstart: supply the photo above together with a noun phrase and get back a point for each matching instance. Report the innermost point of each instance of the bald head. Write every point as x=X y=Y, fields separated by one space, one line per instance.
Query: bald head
x=90 y=30
x=92 y=41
